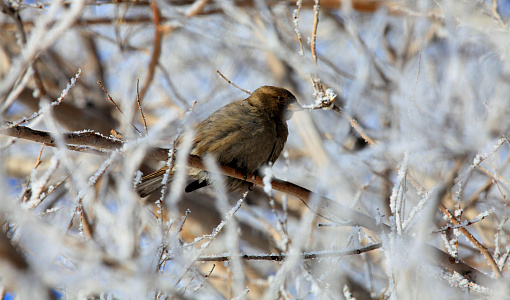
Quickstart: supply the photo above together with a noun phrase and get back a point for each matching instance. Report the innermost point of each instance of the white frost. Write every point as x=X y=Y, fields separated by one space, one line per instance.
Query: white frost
x=268 y=175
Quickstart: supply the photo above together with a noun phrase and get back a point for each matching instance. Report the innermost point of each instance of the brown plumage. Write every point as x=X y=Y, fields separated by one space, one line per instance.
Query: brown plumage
x=245 y=135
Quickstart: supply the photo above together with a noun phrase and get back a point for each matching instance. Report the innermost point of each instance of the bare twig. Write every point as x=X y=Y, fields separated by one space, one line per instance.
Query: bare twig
x=231 y=83
x=313 y=40
x=37 y=163
x=299 y=4
x=52 y=189
x=140 y=105
x=116 y=106
x=494 y=10
x=79 y=210
x=354 y=125
x=39 y=157
x=283 y=256
x=156 y=51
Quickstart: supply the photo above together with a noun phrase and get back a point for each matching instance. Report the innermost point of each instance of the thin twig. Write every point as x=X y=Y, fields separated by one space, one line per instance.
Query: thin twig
x=78 y=210
x=231 y=83
x=494 y=10
x=354 y=125
x=37 y=163
x=51 y=105
x=471 y=238
x=116 y=106
x=466 y=224
x=156 y=50
x=52 y=189
x=85 y=227
x=215 y=233
x=313 y=40
x=296 y=25
x=140 y=105
x=283 y=256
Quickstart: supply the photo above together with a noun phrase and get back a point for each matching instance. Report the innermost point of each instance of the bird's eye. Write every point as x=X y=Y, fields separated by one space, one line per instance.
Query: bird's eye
x=280 y=98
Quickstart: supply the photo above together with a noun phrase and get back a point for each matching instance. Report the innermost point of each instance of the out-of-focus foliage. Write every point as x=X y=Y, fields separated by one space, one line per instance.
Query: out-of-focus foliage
x=427 y=83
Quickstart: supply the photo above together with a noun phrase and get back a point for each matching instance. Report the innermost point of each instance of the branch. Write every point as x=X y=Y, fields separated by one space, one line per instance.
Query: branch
x=322 y=206
x=473 y=240
x=283 y=256
x=88 y=139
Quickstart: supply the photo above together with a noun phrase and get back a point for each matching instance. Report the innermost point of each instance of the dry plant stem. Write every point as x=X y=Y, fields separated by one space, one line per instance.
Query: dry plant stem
x=473 y=240
x=156 y=52
x=462 y=228
x=494 y=177
x=79 y=210
x=39 y=157
x=85 y=226
x=158 y=41
x=313 y=40
x=51 y=105
x=37 y=163
x=116 y=106
x=14 y=14
x=231 y=83
x=271 y=230
x=354 y=125
x=321 y=205
x=494 y=10
x=140 y=105
x=296 y=23
x=359 y=5
x=50 y=191
x=279 y=218
x=468 y=235
x=483 y=158
x=215 y=232
x=318 y=87
x=283 y=256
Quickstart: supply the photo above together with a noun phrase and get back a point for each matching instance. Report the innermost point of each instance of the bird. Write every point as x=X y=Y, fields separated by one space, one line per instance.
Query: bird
x=245 y=135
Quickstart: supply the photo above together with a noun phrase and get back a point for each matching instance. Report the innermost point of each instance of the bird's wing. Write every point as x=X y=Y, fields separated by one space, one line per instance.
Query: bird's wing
x=238 y=136
x=282 y=133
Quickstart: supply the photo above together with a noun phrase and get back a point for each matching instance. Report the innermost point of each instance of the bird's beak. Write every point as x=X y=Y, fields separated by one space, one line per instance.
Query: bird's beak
x=294 y=106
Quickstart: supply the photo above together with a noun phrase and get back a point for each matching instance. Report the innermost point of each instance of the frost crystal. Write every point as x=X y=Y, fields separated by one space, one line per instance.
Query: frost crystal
x=477 y=160
x=268 y=174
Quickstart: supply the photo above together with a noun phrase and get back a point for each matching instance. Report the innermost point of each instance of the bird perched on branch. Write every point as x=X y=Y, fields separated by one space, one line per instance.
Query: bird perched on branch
x=244 y=135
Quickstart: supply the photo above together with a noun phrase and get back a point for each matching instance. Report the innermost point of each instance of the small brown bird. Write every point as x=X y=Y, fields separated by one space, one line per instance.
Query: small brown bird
x=244 y=135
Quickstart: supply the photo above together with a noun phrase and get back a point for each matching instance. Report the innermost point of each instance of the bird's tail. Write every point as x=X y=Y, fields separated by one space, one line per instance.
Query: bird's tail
x=151 y=182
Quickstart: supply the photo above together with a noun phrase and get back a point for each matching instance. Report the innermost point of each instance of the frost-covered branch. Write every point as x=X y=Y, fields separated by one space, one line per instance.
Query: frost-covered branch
x=322 y=206
x=283 y=256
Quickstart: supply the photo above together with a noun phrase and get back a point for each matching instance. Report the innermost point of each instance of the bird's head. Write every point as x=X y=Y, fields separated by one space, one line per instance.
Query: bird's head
x=278 y=101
